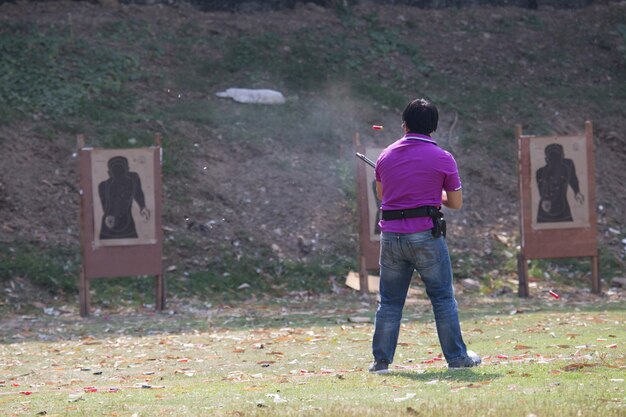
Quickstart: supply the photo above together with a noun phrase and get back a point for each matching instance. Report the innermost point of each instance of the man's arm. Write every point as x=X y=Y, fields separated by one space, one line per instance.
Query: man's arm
x=452 y=199
x=379 y=190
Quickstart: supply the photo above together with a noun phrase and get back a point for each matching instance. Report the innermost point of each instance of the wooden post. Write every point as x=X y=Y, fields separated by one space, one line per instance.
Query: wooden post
x=363 y=219
x=595 y=276
x=159 y=282
x=83 y=293
x=522 y=264
x=363 y=276
x=83 y=283
x=596 y=286
x=522 y=276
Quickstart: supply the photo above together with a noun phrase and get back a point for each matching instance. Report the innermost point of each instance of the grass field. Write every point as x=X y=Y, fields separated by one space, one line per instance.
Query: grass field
x=309 y=356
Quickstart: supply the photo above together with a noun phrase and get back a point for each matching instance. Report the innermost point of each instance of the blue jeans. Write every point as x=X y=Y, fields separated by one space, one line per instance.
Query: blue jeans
x=400 y=255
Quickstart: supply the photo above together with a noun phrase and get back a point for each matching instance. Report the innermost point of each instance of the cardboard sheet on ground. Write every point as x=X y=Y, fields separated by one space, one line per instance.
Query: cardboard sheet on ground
x=352 y=281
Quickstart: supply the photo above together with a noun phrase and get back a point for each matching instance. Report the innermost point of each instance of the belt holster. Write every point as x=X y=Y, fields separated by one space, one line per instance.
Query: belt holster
x=439 y=225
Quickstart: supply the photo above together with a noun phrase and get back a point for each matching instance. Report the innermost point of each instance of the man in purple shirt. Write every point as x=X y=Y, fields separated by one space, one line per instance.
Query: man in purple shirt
x=414 y=177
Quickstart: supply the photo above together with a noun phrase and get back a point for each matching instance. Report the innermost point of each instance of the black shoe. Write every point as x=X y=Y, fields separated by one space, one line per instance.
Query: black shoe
x=471 y=360
x=379 y=367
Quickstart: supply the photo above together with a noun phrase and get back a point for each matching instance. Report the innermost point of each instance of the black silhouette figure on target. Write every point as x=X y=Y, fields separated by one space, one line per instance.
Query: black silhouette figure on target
x=117 y=195
x=553 y=181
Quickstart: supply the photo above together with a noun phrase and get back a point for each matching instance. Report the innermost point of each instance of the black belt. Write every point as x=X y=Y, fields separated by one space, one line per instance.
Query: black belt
x=439 y=224
x=423 y=211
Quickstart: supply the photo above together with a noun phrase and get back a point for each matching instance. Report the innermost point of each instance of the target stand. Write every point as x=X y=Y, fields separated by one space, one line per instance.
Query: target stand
x=120 y=216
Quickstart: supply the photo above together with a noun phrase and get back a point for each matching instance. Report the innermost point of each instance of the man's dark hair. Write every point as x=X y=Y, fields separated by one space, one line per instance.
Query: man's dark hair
x=421 y=116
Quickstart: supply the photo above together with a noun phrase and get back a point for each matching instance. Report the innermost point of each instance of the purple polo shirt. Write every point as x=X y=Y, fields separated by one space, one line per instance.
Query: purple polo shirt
x=413 y=172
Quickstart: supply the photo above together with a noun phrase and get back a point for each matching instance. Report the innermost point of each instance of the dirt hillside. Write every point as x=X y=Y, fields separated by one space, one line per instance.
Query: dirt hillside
x=275 y=196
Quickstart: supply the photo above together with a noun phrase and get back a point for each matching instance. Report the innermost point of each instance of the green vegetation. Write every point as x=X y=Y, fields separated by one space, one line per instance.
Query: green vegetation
x=575 y=271
x=56 y=74
x=225 y=279
x=56 y=270
x=53 y=268
x=232 y=278
x=310 y=58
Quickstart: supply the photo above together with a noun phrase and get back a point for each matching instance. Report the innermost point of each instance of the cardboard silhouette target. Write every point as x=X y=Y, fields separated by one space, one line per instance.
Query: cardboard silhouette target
x=559 y=182
x=557 y=200
x=120 y=216
x=123 y=193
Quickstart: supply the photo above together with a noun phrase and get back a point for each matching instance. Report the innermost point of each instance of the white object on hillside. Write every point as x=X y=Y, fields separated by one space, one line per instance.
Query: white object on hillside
x=248 y=95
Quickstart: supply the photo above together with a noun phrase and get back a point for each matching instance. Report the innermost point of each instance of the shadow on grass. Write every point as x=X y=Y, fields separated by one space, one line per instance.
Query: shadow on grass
x=459 y=375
